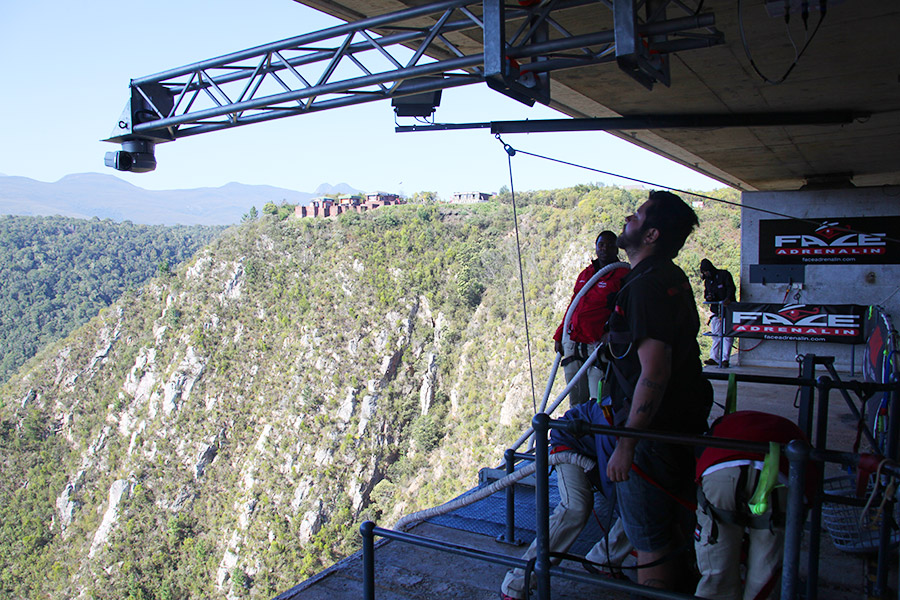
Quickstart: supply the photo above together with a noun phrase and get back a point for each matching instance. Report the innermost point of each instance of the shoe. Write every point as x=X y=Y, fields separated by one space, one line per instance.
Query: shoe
x=710 y=362
x=505 y=597
x=724 y=364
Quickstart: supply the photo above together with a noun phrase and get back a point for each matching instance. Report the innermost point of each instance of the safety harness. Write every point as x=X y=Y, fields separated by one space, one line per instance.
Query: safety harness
x=753 y=512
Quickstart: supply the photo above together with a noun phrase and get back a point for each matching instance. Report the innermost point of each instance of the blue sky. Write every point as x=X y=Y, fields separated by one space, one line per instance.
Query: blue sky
x=66 y=68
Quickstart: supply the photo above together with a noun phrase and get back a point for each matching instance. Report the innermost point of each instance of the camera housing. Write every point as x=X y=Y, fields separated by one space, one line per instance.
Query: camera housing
x=136 y=156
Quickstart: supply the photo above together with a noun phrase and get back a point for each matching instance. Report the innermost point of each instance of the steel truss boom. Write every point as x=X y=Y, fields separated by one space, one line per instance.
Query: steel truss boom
x=423 y=49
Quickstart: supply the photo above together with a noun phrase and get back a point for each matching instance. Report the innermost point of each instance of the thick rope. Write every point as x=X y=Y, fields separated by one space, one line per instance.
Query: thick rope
x=571 y=458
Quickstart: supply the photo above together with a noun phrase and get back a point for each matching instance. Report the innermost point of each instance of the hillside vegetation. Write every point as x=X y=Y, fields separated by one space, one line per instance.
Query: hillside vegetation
x=58 y=272
x=222 y=431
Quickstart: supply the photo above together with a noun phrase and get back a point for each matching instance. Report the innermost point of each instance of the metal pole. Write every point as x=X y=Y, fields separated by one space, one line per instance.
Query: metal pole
x=510 y=538
x=582 y=372
x=884 y=542
x=720 y=309
x=823 y=386
x=541 y=422
x=368 y=548
x=797 y=452
x=805 y=418
x=550 y=381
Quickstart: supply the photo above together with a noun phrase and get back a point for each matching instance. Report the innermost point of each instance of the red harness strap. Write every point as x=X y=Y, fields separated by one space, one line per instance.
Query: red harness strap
x=691 y=506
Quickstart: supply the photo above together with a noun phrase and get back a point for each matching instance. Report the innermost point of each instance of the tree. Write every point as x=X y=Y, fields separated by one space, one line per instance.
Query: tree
x=425 y=197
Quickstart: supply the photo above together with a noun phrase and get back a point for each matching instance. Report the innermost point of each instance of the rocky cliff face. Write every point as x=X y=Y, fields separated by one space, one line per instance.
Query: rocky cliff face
x=222 y=431
x=237 y=416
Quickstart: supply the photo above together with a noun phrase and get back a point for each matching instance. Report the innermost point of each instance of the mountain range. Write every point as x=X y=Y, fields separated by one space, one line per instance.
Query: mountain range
x=88 y=195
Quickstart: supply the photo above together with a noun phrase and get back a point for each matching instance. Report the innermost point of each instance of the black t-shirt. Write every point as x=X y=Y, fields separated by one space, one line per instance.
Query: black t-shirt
x=719 y=287
x=656 y=302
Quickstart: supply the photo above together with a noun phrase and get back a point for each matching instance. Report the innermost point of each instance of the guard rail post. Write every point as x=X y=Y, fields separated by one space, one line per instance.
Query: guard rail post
x=797 y=452
x=805 y=418
x=720 y=315
x=510 y=536
x=881 y=584
x=823 y=389
x=368 y=555
x=541 y=424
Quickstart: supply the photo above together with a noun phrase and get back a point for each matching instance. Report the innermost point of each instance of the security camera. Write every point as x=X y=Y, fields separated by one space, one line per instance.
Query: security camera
x=135 y=156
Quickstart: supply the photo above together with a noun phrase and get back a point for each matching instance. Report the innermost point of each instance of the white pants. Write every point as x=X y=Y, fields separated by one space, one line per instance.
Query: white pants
x=576 y=502
x=719 y=561
x=715 y=352
x=586 y=388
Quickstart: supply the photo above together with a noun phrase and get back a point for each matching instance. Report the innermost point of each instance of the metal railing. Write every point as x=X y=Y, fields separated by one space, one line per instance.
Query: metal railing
x=815 y=394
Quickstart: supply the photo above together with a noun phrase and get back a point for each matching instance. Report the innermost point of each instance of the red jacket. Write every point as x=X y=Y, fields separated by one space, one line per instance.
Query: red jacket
x=589 y=320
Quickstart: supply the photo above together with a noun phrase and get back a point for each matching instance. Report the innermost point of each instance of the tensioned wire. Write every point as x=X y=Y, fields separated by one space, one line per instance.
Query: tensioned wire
x=509 y=149
x=512 y=190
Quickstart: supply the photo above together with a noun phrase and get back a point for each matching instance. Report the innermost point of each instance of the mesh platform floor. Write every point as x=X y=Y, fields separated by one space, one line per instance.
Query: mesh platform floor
x=488 y=517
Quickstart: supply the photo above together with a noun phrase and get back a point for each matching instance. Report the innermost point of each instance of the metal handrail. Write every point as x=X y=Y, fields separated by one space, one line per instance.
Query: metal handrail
x=800 y=454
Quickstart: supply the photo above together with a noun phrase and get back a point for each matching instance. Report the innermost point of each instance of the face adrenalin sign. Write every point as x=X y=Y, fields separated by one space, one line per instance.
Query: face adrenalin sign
x=860 y=240
x=841 y=323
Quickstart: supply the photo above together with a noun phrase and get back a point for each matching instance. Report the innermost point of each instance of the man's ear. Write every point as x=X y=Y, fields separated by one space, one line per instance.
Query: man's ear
x=651 y=235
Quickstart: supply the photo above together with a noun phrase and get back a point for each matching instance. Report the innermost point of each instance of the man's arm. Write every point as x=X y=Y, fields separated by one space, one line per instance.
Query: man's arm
x=656 y=368
x=730 y=290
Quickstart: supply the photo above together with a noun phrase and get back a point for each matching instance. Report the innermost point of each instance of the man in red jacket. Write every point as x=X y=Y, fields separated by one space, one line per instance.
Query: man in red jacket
x=587 y=324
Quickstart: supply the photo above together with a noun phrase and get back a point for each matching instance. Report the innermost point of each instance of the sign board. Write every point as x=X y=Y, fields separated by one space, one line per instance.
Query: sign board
x=851 y=240
x=841 y=323
x=880 y=358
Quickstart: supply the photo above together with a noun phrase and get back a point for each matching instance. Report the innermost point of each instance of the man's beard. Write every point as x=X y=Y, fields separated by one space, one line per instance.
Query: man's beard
x=629 y=240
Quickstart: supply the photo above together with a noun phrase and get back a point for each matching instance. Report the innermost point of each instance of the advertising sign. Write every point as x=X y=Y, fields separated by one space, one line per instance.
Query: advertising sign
x=852 y=240
x=880 y=356
x=841 y=323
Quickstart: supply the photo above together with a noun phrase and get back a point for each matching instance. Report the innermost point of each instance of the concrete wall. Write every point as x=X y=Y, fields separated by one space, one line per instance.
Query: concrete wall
x=825 y=283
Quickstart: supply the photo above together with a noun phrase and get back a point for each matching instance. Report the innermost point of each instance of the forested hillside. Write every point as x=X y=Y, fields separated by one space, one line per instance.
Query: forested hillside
x=221 y=431
x=58 y=272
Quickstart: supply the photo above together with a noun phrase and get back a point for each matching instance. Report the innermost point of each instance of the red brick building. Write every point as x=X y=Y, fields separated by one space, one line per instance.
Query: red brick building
x=331 y=207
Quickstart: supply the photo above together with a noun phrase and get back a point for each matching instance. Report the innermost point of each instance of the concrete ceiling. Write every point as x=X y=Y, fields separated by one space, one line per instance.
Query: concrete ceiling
x=852 y=64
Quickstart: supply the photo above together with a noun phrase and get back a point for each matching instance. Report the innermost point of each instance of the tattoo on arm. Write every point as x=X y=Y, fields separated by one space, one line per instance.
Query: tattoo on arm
x=646 y=407
x=657 y=389
x=653 y=385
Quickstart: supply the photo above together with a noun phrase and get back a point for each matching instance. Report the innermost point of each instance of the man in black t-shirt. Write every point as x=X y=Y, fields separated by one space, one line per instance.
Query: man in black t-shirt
x=658 y=383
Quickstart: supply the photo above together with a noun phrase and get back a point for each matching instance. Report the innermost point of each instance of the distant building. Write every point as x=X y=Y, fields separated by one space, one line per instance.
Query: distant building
x=383 y=199
x=471 y=197
x=330 y=207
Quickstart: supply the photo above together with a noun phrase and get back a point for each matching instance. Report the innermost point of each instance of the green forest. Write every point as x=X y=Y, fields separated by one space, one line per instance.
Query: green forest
x=221 y=430
x=58 y=272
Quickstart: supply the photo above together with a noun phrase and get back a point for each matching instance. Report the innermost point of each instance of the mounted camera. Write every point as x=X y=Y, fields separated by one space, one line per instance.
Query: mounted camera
x=136 y=156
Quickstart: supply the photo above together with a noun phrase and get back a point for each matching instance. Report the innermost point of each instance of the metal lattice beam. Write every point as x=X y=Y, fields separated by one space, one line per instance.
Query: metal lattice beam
x=437 y=46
